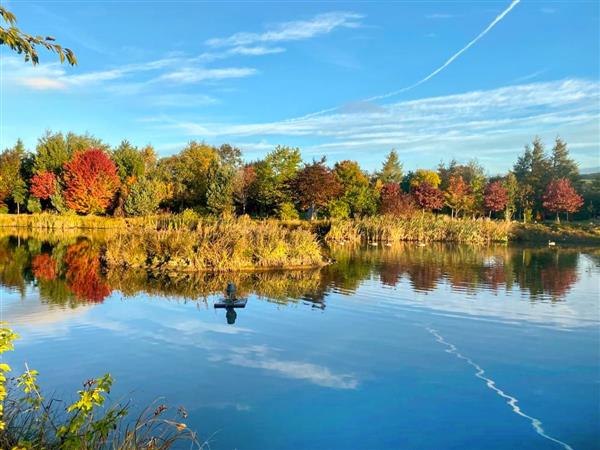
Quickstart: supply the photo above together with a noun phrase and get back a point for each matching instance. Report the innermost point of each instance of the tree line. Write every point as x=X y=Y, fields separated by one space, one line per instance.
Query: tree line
x=82 y=174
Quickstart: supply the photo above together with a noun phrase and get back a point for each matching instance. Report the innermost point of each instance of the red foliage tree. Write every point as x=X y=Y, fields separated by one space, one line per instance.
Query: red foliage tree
x=428 y=197
x=314 y=186
x=495 y=197
x=43 y=267
x=396 y=202
x=43 y=185
x=560 y=196
x=91 y=181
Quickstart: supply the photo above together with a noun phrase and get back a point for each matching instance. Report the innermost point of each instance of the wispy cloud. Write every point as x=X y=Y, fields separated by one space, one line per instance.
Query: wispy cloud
x=195 y=75
x=449 y=61
x=488 y=123
x=292 y=31
x=128 y=79
x=261 y=357
x=530 y=76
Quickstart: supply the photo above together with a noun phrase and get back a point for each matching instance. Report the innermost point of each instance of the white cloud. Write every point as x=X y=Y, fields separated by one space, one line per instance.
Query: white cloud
x=43 y=84
x=195 y=75
x=292 y=31
x=481 y=122
x=259 y=357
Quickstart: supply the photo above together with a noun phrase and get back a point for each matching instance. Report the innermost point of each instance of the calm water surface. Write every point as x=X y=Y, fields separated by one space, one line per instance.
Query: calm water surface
x=404 y=347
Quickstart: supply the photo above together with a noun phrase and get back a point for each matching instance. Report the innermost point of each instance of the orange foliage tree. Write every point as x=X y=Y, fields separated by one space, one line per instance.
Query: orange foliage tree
x=91 y=181
x=83 y=272
x=43 y=185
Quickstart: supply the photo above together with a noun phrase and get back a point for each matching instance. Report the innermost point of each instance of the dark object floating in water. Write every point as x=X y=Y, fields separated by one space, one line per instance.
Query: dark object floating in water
x=230 y=300
x=237 y=303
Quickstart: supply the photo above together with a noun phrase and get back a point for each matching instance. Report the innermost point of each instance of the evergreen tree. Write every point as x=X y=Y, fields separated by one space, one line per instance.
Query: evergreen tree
x=533 y=172
x=562 y=165
x=391 y=172
x=219 y=192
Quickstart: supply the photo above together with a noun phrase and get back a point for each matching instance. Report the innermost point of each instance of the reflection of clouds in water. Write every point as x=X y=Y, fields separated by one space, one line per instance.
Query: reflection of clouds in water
x=257 y=357
x=491 y=384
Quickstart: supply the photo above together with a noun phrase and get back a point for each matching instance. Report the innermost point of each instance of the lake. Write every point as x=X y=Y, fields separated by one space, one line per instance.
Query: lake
x=435 y=347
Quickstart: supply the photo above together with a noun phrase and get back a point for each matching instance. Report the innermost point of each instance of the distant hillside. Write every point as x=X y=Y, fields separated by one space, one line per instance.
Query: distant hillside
x=590 y=170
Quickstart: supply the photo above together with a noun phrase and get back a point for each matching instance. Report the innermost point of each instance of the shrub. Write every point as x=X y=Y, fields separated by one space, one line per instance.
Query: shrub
x=34 y=205
x=288 y=211
x=143 y=198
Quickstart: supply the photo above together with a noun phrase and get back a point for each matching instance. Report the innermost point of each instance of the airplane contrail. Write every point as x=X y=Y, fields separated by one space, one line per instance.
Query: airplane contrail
x=436 y=71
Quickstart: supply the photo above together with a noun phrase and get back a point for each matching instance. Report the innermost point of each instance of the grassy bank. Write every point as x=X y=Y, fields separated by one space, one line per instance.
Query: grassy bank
x=421 y=227
x=228 y=245
x=585 y=232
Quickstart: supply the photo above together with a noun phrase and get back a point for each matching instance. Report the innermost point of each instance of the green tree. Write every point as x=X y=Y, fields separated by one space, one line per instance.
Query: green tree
x=185 y=175
x=129 y=160
x=274 y=174
x=534 y=169
x=391 y=171
x=230 y=156
x=51 y=153
x=143 y=198
x=356 y=190
x=563 y=166
x=26 y=44
x=12 y=185
x=511 y=185
x=219 y=195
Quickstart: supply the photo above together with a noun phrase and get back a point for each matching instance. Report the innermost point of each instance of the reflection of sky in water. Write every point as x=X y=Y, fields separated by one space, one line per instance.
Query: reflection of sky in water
x=360 y=371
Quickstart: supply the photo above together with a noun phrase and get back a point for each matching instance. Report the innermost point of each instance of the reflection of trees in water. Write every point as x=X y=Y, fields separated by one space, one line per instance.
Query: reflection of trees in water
x=277 y=286
x=546 y=272
x=83 y=272
x=542 y=272
x=69 y=271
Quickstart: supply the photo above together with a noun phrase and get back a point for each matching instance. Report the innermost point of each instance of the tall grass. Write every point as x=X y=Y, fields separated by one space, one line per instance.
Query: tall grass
x=421 y=227
x=209 y=245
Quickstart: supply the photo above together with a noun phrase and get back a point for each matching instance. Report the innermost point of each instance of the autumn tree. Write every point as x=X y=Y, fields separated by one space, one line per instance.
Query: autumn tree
x=242 y=186
x=230 y=155
x=560 y=196
x=396 y=202
x=43 y=185
x=495 y=197
x=314 y=186
x=90 y=181
x=458 y=196
x=428 y=197
x=391 y=171
x=424 y=176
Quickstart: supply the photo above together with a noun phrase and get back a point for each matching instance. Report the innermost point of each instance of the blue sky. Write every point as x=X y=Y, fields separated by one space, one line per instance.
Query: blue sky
x=334 y=78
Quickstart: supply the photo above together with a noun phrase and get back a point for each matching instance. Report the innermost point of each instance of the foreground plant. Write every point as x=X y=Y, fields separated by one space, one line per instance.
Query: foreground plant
x=30 y=421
